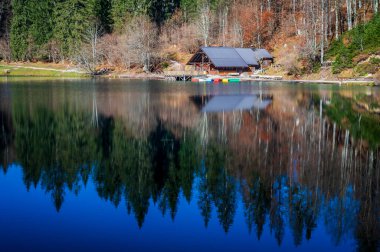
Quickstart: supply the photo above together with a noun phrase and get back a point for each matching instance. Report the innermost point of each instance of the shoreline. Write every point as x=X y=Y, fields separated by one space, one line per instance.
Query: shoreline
x=36 y=71
x=346 y=82
x=326 y=82
x=162 y=78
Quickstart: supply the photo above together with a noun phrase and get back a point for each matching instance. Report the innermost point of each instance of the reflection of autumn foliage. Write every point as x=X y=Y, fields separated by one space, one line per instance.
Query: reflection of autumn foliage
x=314 y=153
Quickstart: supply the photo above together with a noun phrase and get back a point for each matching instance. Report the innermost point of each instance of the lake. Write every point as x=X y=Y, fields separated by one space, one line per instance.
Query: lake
x=131 y=165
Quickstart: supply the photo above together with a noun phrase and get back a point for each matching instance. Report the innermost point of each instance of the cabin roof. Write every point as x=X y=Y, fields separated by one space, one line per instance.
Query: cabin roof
x=262 y=54
x=230 y=56
x=224 y=57
x=248 y=55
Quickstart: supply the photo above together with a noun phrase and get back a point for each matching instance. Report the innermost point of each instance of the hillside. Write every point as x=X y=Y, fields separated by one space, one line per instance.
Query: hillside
x=357 y=52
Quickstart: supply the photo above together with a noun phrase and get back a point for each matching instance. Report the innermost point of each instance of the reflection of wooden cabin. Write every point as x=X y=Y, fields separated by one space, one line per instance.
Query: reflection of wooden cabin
x=224 y=60
x=227 y=103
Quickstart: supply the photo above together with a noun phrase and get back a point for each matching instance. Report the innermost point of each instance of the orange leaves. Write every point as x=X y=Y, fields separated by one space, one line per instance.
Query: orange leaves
x=257 y=22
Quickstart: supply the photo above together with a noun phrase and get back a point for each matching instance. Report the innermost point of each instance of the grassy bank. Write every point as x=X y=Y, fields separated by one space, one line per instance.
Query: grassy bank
x=31 y=71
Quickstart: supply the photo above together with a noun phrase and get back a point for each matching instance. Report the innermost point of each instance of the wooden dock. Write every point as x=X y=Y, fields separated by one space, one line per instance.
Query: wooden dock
x=182 y=75
x=265 y=77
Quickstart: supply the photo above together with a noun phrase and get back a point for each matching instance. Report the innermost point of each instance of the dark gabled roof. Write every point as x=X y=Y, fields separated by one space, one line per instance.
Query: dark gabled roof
x=231 y=57
x=262 y=54
x=248 y=56
x=224 y=57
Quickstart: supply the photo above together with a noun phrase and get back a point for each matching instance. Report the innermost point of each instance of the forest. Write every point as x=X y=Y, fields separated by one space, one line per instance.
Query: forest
x=151 y=34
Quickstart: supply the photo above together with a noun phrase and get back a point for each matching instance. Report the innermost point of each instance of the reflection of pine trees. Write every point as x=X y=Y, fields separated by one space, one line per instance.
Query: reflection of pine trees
x=341 y=215
x=6 y=137
x=218 y=185
x=204 y=201
x=225 y=201
x=164 y=151
x=188 y=162
x=256 y=203
x=302 y=213
x=48 y=145
x=278 y=211
x=367 y=232
x=142 y=169
x=125 y=170
x=311 y=213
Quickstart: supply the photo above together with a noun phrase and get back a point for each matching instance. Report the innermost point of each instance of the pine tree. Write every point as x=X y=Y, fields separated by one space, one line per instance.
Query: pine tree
x=103 y=13
x=5 y=14
x=157 y=10
x=41 y=18
x=72 y=18
x=19 y=30
x=124 y=10
x=161 y=10
x=119 y=11
x=189 y=8
x=31 y=27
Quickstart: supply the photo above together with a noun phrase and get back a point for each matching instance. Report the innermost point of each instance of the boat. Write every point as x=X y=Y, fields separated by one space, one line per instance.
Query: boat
x=234 y=80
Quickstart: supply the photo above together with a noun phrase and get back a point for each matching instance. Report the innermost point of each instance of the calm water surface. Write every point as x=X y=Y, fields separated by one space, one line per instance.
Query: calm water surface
x=117 y=165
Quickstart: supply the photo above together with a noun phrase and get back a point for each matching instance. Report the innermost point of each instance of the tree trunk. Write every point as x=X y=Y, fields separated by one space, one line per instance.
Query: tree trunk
x=323 y=31
x=354 y=12
x=337 y=8
x=349 y=14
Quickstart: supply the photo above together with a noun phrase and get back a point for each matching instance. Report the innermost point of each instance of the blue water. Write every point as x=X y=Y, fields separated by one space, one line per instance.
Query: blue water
x=29 y=222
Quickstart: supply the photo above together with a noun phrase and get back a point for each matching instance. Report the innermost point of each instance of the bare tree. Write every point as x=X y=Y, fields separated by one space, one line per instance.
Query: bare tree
x=237 y=33
x=142 y=42
x=88 y=55
x=204 y=22
x=323 y=4
x=223 y=24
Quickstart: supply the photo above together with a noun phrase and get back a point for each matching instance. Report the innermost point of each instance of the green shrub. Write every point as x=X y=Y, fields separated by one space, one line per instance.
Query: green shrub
x=375 y=61
x=366 y=68
x=165 y=65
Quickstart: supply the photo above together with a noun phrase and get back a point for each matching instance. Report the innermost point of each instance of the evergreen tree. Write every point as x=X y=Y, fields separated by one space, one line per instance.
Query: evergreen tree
x=103 y=13
x=41 y=28
x=19 y=29
x=189 y=8
x=123 y=9
x=5 y=14
x=31 y=28
x=72 y=19
x=157 y=10
x=161 y=10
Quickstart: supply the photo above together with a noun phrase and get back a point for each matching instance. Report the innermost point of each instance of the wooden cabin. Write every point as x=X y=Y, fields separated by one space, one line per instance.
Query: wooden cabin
x=227 y=60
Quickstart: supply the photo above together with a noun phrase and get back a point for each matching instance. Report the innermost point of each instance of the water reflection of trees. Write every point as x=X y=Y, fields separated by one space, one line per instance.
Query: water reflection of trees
x=290 y=172
x=6 y=137
x=56 y=150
